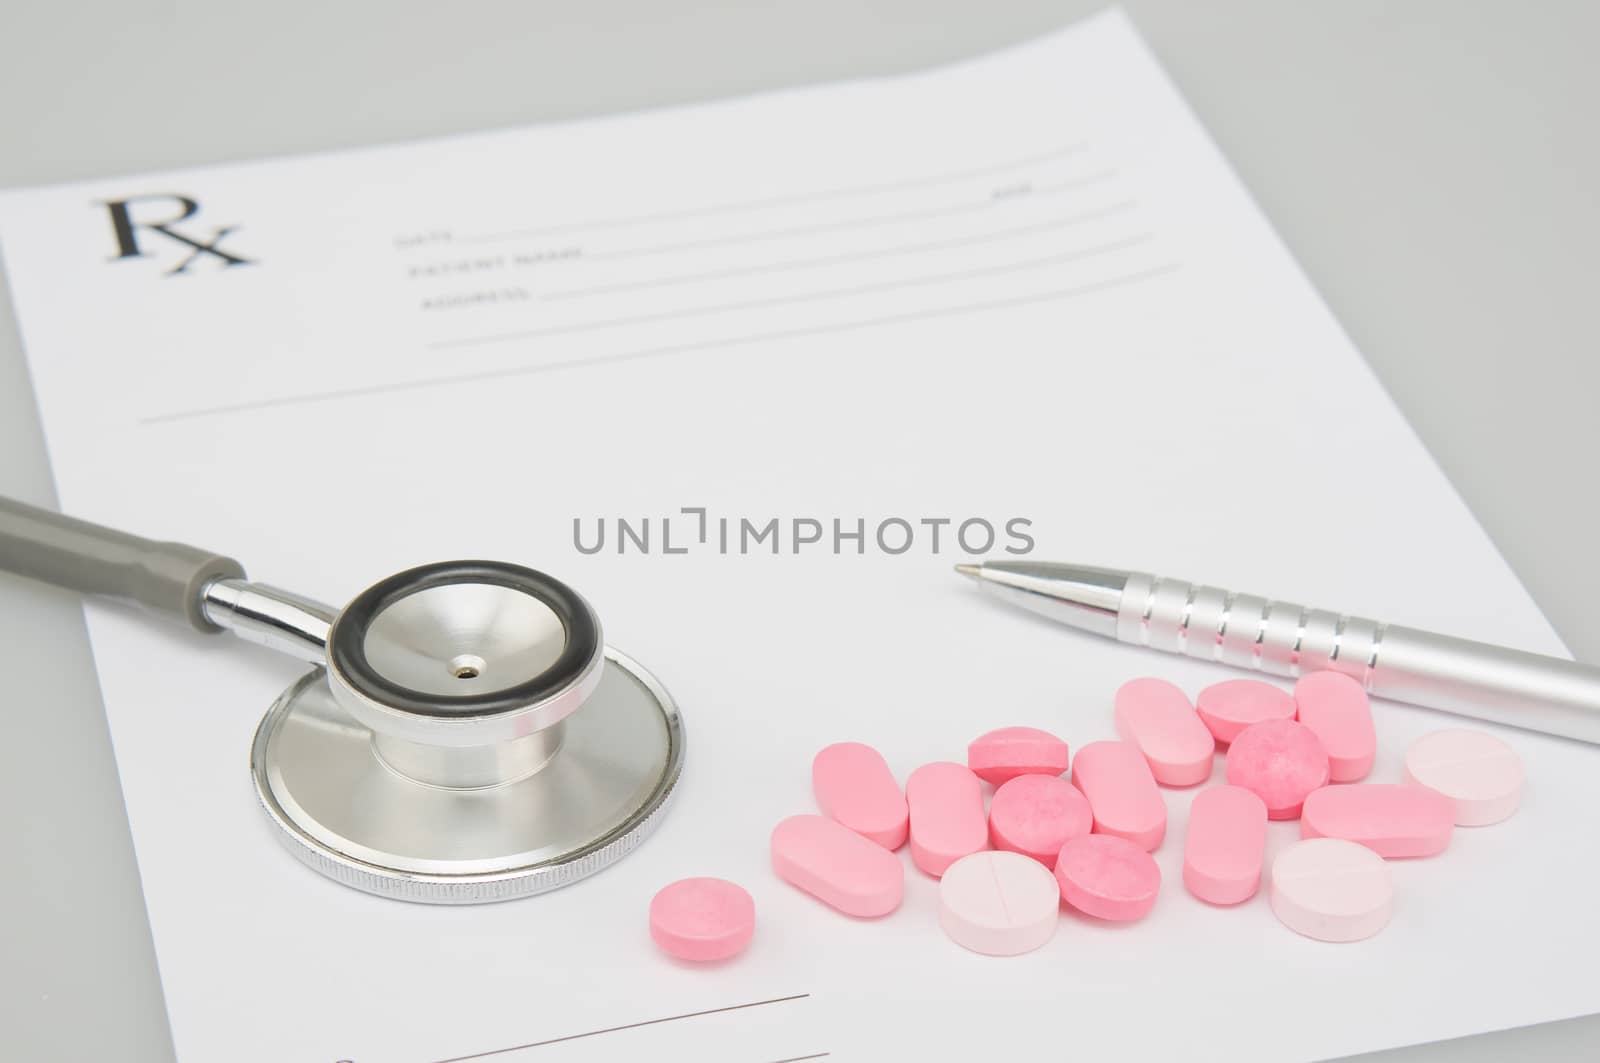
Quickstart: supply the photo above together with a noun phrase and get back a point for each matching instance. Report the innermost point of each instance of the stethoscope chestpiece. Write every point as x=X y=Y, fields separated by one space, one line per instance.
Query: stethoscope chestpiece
x=471 y=739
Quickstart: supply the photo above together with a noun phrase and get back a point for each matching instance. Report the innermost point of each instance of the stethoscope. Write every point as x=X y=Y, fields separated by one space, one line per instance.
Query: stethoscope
x=465 y=736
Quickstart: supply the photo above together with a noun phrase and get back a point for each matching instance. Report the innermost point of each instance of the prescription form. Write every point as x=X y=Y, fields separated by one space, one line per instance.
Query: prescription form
x=1026 y=287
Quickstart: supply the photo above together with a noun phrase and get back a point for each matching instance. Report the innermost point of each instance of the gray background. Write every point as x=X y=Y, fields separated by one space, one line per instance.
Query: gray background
x=1433 y=164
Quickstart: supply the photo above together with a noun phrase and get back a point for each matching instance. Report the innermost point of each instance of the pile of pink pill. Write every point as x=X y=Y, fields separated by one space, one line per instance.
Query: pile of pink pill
x=1006 y=865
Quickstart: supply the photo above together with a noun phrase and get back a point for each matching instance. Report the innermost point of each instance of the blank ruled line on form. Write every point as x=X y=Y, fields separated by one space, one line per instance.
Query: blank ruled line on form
x=569 y=1038
x=835 y=260
x=989 y=201
x=814 y=196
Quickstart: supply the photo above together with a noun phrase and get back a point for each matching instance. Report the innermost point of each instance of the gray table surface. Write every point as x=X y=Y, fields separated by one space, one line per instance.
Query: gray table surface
x=1433 y=164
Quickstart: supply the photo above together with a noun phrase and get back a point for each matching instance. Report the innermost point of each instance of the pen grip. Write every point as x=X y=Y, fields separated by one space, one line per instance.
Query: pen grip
x=1468 y=678
x=78 y=555
x=1244 y=630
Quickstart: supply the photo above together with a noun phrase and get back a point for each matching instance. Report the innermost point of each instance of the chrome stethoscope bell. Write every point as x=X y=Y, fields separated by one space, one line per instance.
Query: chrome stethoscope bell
x=466 y=736
x=470 y=739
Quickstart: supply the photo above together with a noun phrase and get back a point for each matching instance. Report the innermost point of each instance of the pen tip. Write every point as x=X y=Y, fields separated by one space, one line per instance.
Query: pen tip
x=969 y=570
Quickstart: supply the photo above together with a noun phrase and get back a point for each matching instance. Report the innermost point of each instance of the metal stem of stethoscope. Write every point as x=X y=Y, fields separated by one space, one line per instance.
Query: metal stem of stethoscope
x=269 y=616
x=437 y=752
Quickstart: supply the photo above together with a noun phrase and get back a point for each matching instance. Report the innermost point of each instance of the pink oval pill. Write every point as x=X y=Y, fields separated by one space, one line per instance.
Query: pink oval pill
x=1391 y=819
x=1156 y=716
x=999 y=904
x=1122 y=793
x=1479 y=772
x=947 y=820
x=1225 y=845
x=854 y=786
x=1229 y=707
x=1336 y=709
x=1331 y=890
x=1281 y=762
x=1035 y=815
x=1002 y=755
x=702 y=919
x=837 y=866
x=1107 y=877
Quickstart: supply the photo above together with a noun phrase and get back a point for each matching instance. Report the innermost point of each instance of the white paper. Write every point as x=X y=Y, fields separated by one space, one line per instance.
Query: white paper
x=1025 y=286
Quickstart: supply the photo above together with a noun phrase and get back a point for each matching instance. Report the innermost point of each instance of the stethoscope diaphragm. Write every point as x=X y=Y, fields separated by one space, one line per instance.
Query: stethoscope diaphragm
x=348 y=813
x=470 y=739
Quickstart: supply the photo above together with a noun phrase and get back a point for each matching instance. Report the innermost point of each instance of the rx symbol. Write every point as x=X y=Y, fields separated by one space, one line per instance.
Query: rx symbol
x=129 y=219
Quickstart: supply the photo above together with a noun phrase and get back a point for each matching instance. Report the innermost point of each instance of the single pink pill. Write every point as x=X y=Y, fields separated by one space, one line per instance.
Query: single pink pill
x=837 y=866
x=854 y=786
x=1156 y=716
x=702 y=919
x=999 y=904
x=1391 y=819
x=947 y=820
x=1281 y=762
x=1035 y=815
x=1331 y=890
x=1122 y=793
x=1225 y=845
x=1336 y=709
x=1002 y=755
x=1107 y=877
x=1229 y=707
x=1479 y=772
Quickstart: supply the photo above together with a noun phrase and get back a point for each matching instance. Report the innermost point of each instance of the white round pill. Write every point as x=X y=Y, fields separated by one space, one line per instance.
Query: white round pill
x=1331 y=890
x=1476 y=770
x=999 y=903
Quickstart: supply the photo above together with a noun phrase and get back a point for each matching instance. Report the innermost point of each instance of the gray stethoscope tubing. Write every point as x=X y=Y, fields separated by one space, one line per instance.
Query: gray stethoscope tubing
x=166 y=577
x=436 y=753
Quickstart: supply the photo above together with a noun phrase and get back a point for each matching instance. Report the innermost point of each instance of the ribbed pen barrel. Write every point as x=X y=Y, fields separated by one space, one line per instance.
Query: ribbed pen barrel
x=1474 y=679
x=1244 y=630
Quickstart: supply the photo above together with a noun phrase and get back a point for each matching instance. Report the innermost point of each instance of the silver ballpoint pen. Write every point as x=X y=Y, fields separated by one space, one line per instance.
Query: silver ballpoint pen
x=1474 y=679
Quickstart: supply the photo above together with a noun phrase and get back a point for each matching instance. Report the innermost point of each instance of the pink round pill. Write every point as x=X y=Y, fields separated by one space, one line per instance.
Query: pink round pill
x=999 y=904
x=1479 y=772
x=854 y=786
x=1036 y=815
x=1280 y=761
x=1156 y=716
x=1229 y=707
x=702 y=919
x=1336 y=709
x=1391 y=819
x=1107 y=877
x=1225 y=845
x=1002 y=755
x=1331 y=890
